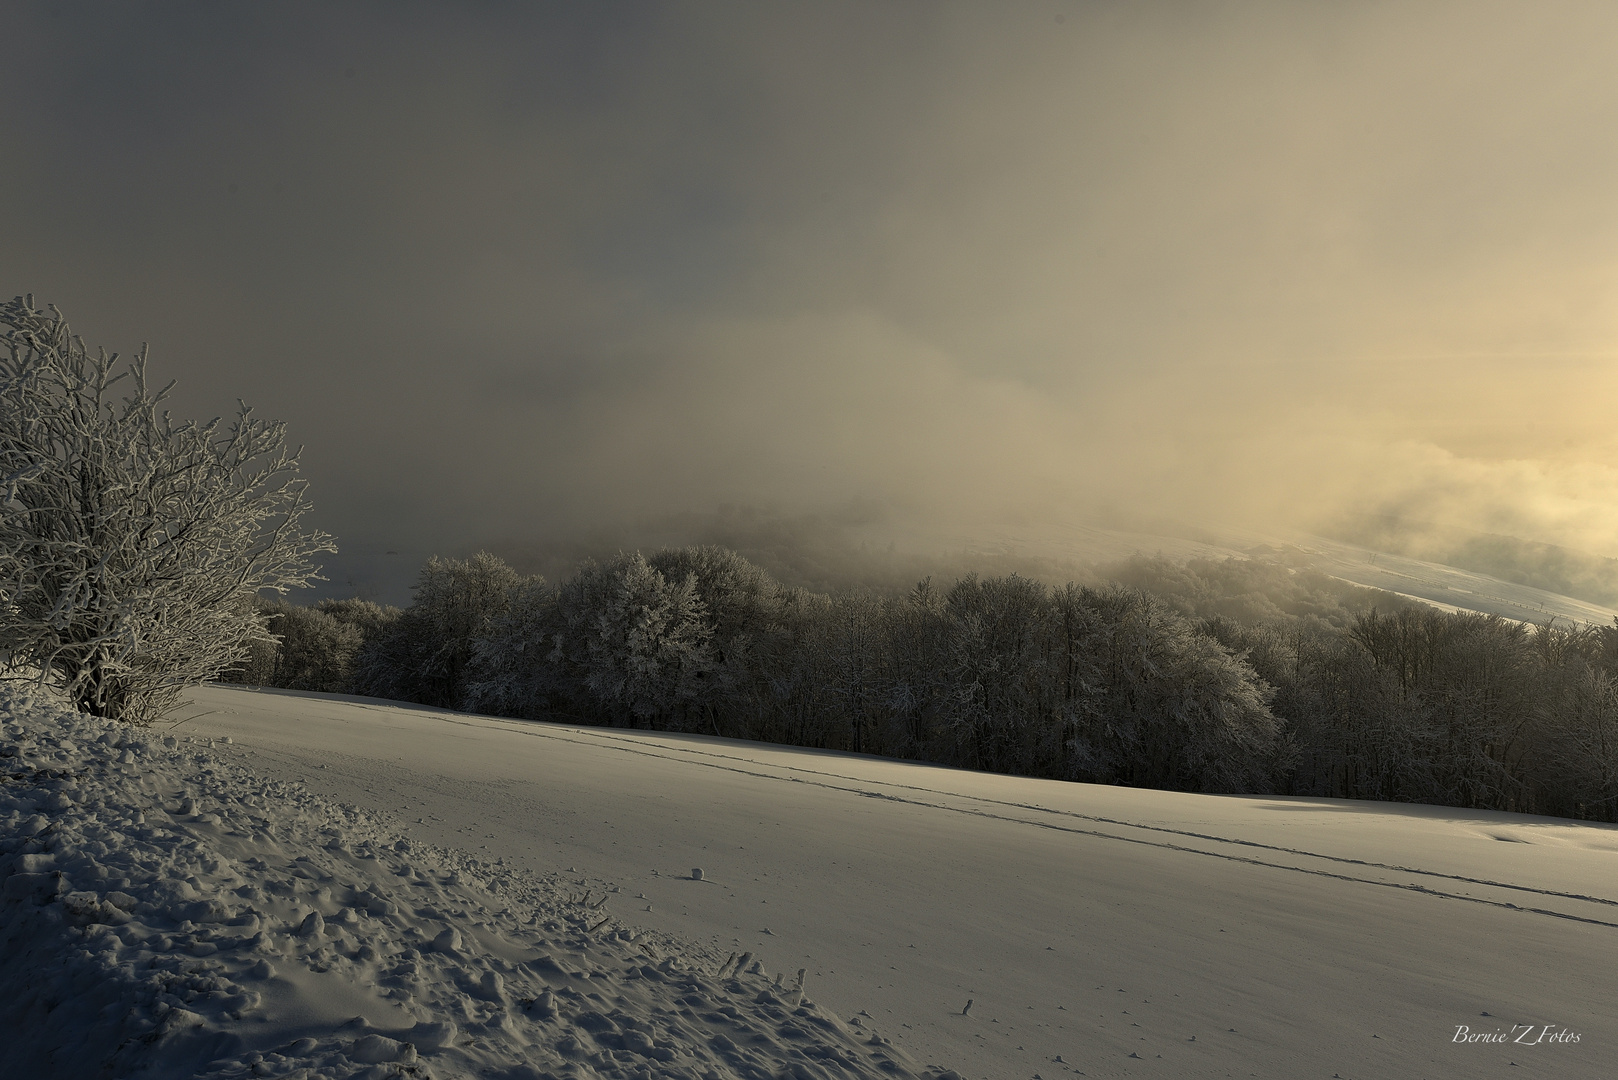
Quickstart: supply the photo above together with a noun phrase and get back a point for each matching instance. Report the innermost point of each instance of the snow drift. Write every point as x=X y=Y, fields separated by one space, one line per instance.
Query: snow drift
x=168 y=912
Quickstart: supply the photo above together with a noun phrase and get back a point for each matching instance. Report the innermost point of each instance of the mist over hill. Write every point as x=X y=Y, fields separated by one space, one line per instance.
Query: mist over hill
x=867 y=546
x=856 y=548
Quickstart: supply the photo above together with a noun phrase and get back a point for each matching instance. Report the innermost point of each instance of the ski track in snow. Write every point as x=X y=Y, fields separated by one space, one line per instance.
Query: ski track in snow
x=720 y=761
x=165 y=912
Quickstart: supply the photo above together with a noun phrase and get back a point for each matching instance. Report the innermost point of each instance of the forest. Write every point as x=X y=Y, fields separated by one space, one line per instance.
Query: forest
x=1233 y=676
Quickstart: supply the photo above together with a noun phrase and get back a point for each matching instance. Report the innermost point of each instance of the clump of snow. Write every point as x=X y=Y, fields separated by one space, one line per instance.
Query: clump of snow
x=166 y=912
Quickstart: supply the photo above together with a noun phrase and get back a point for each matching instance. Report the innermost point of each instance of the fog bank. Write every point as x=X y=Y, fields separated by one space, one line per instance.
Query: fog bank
x=540 y=273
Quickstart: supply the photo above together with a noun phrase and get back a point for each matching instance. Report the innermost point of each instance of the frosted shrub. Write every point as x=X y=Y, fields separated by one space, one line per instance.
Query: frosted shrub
x=131 y=546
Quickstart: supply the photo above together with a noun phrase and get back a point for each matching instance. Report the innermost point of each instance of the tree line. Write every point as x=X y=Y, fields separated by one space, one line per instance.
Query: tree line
x=134 y=552
x=1213 y=676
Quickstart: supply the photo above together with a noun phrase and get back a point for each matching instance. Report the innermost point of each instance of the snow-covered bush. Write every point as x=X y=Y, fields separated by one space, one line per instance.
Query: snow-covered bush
x=129 y=544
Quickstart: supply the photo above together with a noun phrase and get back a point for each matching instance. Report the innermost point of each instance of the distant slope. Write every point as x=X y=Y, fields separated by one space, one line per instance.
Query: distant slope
x=1496 y=575
x=1435 y=583
x=1561 y=570
x=1448 y=585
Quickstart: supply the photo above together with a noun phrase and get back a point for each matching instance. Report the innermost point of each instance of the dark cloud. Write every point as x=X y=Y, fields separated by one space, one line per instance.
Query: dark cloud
x=514 y=270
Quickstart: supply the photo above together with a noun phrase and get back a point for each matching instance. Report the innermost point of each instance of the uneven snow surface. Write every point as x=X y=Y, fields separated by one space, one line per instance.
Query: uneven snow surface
x=166 y=911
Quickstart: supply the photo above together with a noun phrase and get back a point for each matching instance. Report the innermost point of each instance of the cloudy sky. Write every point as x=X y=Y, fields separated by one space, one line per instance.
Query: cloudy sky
x=511 y=270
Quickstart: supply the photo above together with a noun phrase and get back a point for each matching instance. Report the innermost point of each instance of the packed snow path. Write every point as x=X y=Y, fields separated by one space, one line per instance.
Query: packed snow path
x=1243 y=936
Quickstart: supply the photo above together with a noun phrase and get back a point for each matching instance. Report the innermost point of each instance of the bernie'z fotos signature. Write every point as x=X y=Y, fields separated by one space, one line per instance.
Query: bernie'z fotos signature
x=1519 y=1035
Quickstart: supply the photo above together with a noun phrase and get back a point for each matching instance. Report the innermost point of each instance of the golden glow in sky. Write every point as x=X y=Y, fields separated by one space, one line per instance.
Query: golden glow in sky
x=1253 y=264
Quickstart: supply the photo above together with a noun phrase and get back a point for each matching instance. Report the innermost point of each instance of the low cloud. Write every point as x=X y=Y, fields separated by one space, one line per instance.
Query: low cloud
x=536 y=273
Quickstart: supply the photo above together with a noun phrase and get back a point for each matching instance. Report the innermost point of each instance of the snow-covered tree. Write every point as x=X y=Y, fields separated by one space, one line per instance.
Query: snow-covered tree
x=129 y=544
x=317 y=651
x=1175 y=709
x=511 y=672
x=312 y=648
x=634 y=641
x=1005 y=706
x=854 y=661
x=744 y=607
x=366 y=616
x=424 y=654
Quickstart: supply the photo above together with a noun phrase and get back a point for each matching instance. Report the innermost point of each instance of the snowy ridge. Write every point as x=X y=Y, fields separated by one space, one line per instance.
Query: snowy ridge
x=165 y=912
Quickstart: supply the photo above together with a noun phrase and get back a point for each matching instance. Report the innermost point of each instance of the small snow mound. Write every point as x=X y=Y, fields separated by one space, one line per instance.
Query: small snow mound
x=37 y=863
x=492 y=986
x=206 y=911
x=434 y=1036
x=375 y=1049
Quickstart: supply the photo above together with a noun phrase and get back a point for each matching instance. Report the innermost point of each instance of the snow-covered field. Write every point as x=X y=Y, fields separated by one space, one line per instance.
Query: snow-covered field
x=1096 y=931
